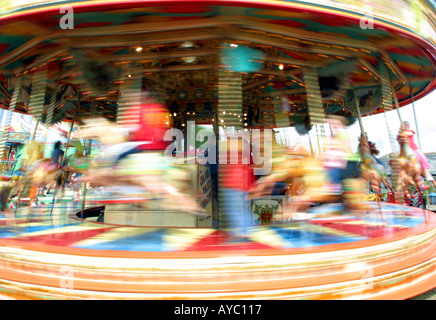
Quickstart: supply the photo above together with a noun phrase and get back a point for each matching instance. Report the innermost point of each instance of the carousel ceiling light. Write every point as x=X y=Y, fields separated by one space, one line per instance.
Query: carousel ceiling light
x=187 y=44
x=189 y=59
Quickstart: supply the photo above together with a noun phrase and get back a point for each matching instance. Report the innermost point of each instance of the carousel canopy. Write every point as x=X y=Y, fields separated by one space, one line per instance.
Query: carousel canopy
x=176 y=47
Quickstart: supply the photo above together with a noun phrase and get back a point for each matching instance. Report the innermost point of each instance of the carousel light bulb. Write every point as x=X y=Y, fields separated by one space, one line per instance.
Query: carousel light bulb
x=224 y=112
x=129 y=75
x=281 y=67
x=233 y=45
x=138 y=49
x=187 y=44
x=245 y=114
x=174 y=114
x=189 y=59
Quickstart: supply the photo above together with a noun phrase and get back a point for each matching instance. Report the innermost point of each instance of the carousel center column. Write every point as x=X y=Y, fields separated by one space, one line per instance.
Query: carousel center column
x=233 y=207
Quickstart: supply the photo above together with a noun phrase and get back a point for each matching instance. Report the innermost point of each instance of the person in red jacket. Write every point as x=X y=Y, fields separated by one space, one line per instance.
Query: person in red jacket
x=146 y=125
x=235 y=182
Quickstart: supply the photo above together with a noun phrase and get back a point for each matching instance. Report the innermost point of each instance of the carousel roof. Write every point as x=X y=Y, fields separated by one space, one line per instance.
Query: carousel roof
x=185 y=39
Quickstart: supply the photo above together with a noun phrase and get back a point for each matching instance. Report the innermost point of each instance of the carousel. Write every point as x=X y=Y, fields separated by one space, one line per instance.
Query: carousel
x=147 y=229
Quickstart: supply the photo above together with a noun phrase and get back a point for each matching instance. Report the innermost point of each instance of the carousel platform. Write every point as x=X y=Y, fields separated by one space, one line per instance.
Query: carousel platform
x=387 y=254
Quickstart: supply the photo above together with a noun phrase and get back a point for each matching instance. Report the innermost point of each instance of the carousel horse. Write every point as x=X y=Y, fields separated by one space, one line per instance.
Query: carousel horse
x=38 y=172
x=148 y=170
x=286 y=168
x=7 y=185
x=370 y=170
x=409 y=169
x=75 y=166
x=78 y=162
x=305 y=173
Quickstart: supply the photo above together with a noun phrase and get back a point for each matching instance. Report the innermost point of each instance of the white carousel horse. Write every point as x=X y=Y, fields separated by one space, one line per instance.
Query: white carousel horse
x=148 y=170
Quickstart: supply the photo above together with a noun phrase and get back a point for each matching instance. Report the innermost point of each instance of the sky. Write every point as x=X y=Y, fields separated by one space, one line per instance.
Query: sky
x=26 y=123
x=376 y=126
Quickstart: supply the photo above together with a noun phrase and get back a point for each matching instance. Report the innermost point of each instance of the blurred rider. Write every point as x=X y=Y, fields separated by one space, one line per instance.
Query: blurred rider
x=145 y=125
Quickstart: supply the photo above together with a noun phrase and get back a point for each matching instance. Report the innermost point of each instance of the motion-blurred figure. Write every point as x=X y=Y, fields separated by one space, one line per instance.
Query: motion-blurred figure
x=336 y=153
x=133 y=155
x=56 y=160
x=235 y=182
x=145 y=126
x=57 y=155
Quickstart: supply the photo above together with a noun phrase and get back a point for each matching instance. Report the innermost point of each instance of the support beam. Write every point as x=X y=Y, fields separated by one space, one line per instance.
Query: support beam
x=230 y=99
x=314 y=100
x=68 y=40
x=12 y=105
x=158 y=81
x=37 y=98
x=395 y=69
x=129 y=93
x=299 y=34
x=370 y=68
x=255 y=84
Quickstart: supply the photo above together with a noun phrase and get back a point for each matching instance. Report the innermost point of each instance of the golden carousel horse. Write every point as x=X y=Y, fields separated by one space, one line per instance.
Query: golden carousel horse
x=408 y=169
x=298 y=167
